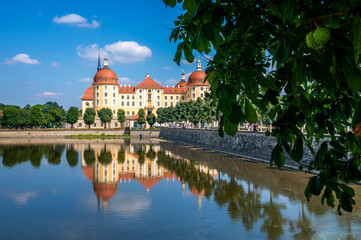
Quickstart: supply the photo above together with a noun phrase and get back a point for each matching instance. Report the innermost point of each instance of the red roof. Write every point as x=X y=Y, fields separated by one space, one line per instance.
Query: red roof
x=148 y=183
x=197 y=78
x=175 y=90
x=181 y=84
x=88 y=94
x=105 y=190
x=195 y=192
x=88 y=172
x=105 y=76
x=170 y=175
x=130 y=90
x=148 y=83
x=135 y=117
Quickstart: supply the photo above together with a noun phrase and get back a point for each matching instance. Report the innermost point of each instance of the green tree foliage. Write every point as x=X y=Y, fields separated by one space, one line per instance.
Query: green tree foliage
x=10 y=118
x=56 y=116
x=89 y=157
x=105 y=115
x=24 y=118
x=261 y=45
x=105 y=157
x=89 y=116
x=161 y=116
x=36 y=116
x=141 y=119
x=151 y=119
x=121 y=115
x=72 y=115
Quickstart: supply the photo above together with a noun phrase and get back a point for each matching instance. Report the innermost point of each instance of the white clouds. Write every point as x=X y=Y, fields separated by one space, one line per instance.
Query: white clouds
x=21 y=198
x=21 y=58
x=49 y=95
x=120 y=52
x=54 y=64
x=124 y=80
x=76 y=20
x=86 y=80
x=171 y=82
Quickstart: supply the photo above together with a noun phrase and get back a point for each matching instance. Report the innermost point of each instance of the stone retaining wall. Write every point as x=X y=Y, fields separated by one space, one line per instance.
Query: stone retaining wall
x=48 y=133
x=251 y=145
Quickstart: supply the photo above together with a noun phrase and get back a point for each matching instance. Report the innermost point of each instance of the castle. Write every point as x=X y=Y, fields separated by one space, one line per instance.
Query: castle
x=106 y=92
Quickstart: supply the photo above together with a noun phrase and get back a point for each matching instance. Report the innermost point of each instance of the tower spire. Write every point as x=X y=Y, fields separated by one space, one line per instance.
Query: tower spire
x=99 y=67
x=199 y=64
x=105 y=61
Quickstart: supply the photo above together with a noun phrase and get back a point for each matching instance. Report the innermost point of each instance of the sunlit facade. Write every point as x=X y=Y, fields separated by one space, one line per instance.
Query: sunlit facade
x=106 y=92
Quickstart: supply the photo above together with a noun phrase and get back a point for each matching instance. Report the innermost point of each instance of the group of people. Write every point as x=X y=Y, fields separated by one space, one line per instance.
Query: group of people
x=252 y=127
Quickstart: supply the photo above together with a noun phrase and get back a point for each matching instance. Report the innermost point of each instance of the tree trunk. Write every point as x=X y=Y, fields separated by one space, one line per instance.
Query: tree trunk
x=89 y=126
x=105 y=125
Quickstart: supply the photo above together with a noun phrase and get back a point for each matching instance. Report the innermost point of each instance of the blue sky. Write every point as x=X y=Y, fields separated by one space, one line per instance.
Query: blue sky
x=48 y=48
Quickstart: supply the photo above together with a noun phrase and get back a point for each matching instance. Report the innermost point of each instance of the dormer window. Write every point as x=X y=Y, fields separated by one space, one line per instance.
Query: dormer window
x=106 y=80
x=176 y=90
x=113 y=79
x=97 y=80
x=101 y=75
x=153 y=84
x=170 y=90
x=144 y=84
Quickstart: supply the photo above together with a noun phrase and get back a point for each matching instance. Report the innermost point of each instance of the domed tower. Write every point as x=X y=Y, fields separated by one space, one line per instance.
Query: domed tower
x=105 y=88
x=197 y=85
x=182 y=82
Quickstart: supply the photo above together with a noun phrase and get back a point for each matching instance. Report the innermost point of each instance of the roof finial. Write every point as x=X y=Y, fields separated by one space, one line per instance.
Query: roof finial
x=199 y=64
x=99 y=67
x=183 y=76
x=105 y=61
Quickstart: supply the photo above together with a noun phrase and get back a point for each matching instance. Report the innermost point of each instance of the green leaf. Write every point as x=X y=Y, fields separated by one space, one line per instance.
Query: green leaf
x=251 y=114
x=315 y=186
x=356 y=29
x=321 y=73
x=170 y=3
x=189 y=5
x=356 y=118
x=229 y=127
x=200 y=42
x=278 y=156
x=188 y=52
x=320 y=156
x=297 y=151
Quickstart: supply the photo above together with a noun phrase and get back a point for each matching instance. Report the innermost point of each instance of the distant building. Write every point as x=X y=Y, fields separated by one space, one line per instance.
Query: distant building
x=105 y=92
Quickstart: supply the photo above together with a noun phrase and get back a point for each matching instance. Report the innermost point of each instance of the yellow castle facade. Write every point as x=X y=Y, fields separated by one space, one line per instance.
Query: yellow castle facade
x=106 y=92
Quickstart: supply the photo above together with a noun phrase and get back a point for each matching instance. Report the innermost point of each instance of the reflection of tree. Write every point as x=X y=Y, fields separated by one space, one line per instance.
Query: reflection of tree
x=89 y=157
x=35 y=156
x=72 y=157
x=304 y=224
x=54 y=154
x=273 y=220
x=105 y=157
x=151 y=153
x=141 y=156
x=121 y=156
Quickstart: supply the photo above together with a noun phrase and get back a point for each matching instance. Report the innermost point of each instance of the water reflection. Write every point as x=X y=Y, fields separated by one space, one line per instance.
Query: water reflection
x=262 y=200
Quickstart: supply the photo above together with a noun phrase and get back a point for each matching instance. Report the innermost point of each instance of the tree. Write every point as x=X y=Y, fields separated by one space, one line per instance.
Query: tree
x=72 y=157
x=141 y=119
x=36 y=116
x=160 y=116
x=151 y=119
x=121 y=116
x=10 y=118
x=56 y=115
x=105 y=115
x=24 y=118
x=308 y=78
x=72 y=116
x=89 y=116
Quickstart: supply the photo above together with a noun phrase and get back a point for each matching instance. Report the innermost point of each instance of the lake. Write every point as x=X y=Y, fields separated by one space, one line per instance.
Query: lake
x=150 y=189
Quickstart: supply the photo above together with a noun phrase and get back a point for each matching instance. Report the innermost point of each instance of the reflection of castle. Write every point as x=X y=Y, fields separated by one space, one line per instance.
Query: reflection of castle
x=133 y=162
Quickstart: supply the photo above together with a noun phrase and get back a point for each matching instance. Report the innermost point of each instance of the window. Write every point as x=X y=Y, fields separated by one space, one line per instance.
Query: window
x=97 y=87
x=97 y=101
x=165 y=97
x=122 y=97
x=201 y=88
x=113 y=86
x=149 y=91
x=127 y=96
x=177 y=97
x=158 y=91
x=122 y=103
x=140 y=97
x=165 y=104
x=133 y=104
x=106 y=79
x=140 y=91
x=114 y=81
x=105 y=94
x=128 y=114
x=97 y=79
x=171 y=104
x=113 y=94
x=113 y=111
x=194 y=89
x=194 y=95
x=95 y=124
x=128 y=104
x=149 y=97
x=158 y=104
x=116 y=124
x=133 y=97
x=79 y=124
x=140 y=104
x=158 y=97
x=97 y=94
x=182 y=97
x=106 y=102
x=171 y=97
x=201 y=95
x=194 y=81
x=133 y=113
x=113 y=101
x=106 y=87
